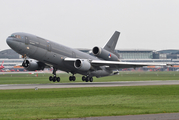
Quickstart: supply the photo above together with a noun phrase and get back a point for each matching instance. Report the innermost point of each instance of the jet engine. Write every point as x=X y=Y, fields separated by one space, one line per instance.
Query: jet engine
x=33 y=65
x=104 y=54
x=82 y=64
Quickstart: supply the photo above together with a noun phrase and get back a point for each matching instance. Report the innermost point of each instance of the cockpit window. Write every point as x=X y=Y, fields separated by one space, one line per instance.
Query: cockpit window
x=18 y=36
x=13 y=36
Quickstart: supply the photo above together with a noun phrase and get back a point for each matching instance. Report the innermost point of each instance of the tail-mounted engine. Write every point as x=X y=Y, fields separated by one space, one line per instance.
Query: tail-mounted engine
x=33 y=65
x=104 y=54
x=82 y=64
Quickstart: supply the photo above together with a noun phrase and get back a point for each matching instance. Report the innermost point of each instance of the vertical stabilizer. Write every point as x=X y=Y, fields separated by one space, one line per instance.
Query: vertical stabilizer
x=111 y=44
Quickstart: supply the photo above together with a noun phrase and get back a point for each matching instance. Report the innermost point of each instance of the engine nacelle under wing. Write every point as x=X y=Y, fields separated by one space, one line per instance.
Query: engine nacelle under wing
x=104 y=54
x=82 y=64
x=33 y=65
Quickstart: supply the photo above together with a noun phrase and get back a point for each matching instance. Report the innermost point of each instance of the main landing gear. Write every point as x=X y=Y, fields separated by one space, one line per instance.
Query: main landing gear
x=54 y=78
x=72 y=78
x=87 y=78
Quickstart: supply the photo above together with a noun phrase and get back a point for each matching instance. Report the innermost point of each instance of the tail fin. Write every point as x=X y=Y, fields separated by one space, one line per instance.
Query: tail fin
x=111 y=44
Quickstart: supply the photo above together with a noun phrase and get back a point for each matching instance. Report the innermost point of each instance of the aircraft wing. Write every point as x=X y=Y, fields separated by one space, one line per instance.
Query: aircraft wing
x=116 y=64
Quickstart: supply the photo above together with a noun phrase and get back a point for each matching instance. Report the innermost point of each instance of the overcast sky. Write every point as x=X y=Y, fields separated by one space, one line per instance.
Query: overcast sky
x=144 y=24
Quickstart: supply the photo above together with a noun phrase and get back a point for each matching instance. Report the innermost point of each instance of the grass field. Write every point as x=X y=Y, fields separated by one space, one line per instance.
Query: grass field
x=123 y=76
x=87 y=102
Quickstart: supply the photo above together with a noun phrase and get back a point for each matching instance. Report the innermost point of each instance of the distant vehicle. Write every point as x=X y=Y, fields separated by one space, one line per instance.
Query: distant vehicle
x=12 y=70
x=47 y=53
x=1 y=67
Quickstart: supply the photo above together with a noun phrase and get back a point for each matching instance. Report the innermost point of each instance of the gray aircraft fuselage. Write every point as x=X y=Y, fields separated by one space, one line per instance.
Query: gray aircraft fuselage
x=51 y=53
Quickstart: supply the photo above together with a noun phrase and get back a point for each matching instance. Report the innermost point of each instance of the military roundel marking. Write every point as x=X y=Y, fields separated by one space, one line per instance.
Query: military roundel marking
x=109 y=55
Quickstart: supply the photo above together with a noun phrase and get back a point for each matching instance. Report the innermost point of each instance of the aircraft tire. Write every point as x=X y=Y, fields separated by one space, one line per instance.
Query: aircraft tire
x=54 y=79
x=73 y=78
x=87 y=79
x=91 y=79
x=58 y=79
x=83 y=78
x=50 y=78
x=70 y=78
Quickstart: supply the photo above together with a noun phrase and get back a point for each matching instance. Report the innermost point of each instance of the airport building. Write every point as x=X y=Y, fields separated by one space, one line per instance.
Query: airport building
x=135 y=54
x=11 y=58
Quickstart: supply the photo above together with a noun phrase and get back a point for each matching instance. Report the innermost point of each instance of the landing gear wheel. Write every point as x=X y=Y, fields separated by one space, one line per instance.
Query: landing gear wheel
x=50 y=78
x=91 y=79
x=58 y=79
x=54 y=79
x=72 y=78
x=83 y=78
x=87 y=79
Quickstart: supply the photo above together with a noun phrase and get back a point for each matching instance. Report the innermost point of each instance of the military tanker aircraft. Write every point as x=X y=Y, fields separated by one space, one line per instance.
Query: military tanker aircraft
x=43 y=53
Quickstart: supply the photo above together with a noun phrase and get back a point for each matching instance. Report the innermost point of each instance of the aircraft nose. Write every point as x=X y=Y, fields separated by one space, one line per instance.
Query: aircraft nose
x=13 y=44
x=9 y=41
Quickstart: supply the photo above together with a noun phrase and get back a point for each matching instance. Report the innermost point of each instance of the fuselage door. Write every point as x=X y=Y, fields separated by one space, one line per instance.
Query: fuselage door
x=48 y=46
x=26 y=40
x=30 y=46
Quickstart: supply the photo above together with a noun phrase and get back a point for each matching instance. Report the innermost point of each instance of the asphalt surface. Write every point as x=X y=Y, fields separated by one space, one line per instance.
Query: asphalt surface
x=89 y=84
x=166 y=116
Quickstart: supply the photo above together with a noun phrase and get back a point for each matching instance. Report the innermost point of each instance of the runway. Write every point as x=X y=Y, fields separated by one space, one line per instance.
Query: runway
x=88 y=84
x=161 y=116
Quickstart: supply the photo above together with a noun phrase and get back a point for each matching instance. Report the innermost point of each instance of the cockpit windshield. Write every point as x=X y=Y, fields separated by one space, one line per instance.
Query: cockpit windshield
x=12 y=36
x=16 y=36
